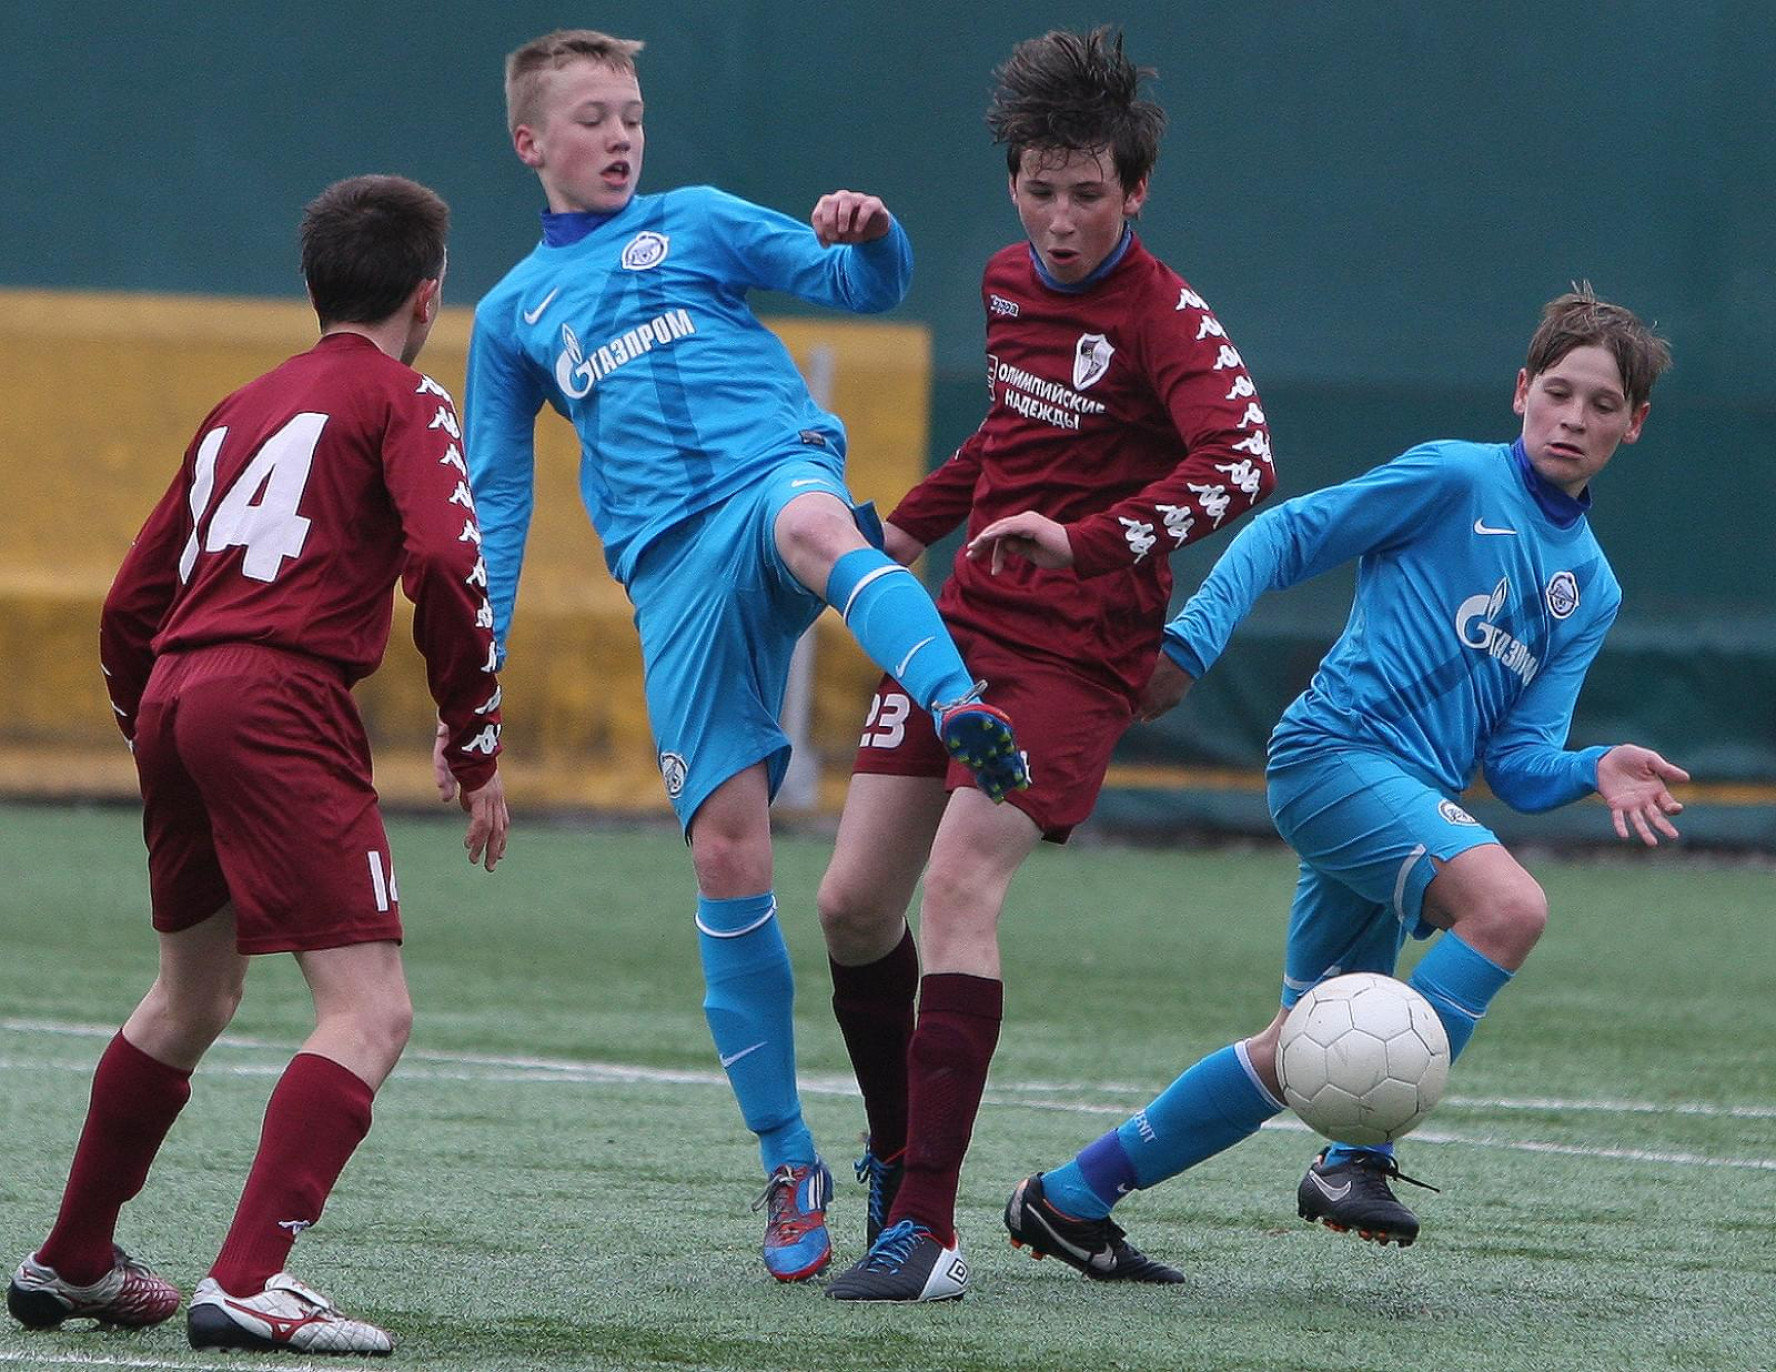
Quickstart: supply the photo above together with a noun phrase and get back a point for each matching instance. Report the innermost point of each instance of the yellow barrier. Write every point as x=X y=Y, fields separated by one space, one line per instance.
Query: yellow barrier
x=100 y=394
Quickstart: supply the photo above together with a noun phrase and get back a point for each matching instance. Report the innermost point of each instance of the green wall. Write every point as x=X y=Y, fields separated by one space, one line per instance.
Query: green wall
x=1376 y=197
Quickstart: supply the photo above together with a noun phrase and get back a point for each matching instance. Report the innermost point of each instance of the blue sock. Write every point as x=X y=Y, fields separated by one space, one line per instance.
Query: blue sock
x=1210 y=1108
x=1460 y=982
x=748 y=999
x=893 y=619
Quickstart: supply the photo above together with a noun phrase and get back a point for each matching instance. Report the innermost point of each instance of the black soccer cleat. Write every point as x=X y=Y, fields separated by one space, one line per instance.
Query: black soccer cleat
x=883 y=1176
x=1097 y=1248
x=907 y=1263
x=1354 y=1197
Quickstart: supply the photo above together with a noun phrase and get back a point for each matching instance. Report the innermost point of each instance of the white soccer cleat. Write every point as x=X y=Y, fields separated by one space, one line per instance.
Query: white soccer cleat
x=287 y=1316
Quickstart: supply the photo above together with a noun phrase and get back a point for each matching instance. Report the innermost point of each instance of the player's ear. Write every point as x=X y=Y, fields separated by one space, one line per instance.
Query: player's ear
x=427 y=297
x=1640 y=415
x=1133 y=200
x=524 y=143
x=1521 y=398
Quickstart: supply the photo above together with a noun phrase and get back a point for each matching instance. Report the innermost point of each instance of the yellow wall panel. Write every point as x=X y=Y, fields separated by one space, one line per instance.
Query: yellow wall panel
x=100 y=394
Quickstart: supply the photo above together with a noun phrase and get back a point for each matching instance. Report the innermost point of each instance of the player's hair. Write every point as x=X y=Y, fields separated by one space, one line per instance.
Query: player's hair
x=1579 y=319
x=367 y=242
x=1076 y=92
x=527 y=67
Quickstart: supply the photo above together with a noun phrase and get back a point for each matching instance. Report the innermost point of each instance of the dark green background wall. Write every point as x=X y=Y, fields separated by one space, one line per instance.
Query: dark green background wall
x=1376 y=197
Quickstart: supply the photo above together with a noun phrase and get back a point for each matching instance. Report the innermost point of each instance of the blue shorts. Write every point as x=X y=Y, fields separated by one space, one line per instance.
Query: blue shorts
x=1366 y=830
x=719 y=616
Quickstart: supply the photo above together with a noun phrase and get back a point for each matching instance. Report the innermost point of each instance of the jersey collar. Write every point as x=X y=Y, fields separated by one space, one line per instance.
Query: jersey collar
x=565 y=228
x=1565 y=510
x=1099 y=272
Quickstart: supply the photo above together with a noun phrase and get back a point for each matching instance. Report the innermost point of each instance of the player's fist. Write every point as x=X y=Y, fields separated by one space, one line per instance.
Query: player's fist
x=850 y=217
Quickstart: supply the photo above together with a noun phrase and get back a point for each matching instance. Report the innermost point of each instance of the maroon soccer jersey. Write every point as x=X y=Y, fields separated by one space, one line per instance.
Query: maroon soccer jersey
x=1122 y=411
x=302 y=499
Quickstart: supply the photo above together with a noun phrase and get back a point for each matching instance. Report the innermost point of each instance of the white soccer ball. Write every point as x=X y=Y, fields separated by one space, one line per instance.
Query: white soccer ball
x=1362 y=1058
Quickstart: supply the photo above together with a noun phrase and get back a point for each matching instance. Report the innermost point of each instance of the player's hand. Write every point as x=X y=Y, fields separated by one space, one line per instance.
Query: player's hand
x=1168 y=685
x=898 y=544
x=850 y=217
x=1033 y=537
x=441 y=774
x=1634 y=782
x=488 y=822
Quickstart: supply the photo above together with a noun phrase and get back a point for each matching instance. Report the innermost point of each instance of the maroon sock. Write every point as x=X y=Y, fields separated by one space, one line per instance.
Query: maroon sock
x=958 y=1029
x=135 y=1099
x=874 y=1006
x=316 y=1118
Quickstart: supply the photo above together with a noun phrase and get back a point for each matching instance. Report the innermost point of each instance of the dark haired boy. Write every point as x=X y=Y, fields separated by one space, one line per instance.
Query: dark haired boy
x=1482 y=598
x=254 y=597
x=1123 y=425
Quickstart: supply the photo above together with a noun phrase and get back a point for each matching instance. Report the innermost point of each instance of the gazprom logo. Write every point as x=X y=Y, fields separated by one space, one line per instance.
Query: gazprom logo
x=578 y=371
x=1475 y=627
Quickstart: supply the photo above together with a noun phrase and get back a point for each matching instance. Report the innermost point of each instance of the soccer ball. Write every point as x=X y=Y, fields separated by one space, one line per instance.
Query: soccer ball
x=1362 y=1058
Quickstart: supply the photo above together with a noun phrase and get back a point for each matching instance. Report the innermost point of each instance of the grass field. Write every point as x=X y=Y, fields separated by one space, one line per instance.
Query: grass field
x=558 y=1177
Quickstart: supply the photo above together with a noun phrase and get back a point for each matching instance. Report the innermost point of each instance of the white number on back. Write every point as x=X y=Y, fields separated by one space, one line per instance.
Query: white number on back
x=257 y=512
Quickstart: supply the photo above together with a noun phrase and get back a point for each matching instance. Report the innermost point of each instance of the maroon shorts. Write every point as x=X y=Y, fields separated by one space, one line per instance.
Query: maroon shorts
x=1067 y=727
x=256 y=788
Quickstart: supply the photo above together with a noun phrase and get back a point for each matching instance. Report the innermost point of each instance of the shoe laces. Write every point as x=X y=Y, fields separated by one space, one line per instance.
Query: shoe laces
x=875 y=1171
x=1389 y=1167
x=785 y=1216
x=894 y=1246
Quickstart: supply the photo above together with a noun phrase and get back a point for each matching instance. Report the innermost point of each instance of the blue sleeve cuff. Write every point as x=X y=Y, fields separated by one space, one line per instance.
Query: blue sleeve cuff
x=1182 y=654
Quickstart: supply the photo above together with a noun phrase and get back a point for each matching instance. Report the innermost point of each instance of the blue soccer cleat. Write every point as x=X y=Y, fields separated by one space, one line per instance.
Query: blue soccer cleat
x=980 y=737
x=794 y=1202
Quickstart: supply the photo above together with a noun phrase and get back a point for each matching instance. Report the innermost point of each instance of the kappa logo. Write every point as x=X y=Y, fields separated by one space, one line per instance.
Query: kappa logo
x=1563 y=595
x=295 y=1226
x=674 y=770
x=1091 y=359
x=645 y=251
x=1454 y=813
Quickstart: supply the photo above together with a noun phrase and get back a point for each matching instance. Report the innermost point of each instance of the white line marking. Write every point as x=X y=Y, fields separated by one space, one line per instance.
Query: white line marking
x=37 y=1359
x=1068 y=1098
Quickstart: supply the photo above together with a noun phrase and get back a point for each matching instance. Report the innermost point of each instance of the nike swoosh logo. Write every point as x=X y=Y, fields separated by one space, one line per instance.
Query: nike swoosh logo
x=531 y=316
x=900 y=671
x=1480 y=528
x=807 y=481
x=1338 y=1193
x=729 y=1059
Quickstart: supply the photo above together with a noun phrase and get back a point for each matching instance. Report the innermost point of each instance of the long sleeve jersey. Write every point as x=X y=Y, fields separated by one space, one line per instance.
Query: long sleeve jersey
x=1476 y=616
x=640 y=334
x=301 y=501
x=1122 y=411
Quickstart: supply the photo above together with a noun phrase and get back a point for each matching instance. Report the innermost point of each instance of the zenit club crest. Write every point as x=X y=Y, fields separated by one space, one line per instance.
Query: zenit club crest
x=1454 y=813
x=1563 y=594
x=647 y=249
x=673 y=770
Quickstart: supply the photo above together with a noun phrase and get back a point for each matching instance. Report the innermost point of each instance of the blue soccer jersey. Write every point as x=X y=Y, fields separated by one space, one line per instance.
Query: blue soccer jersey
x=640 y=334
x=1480 y=604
